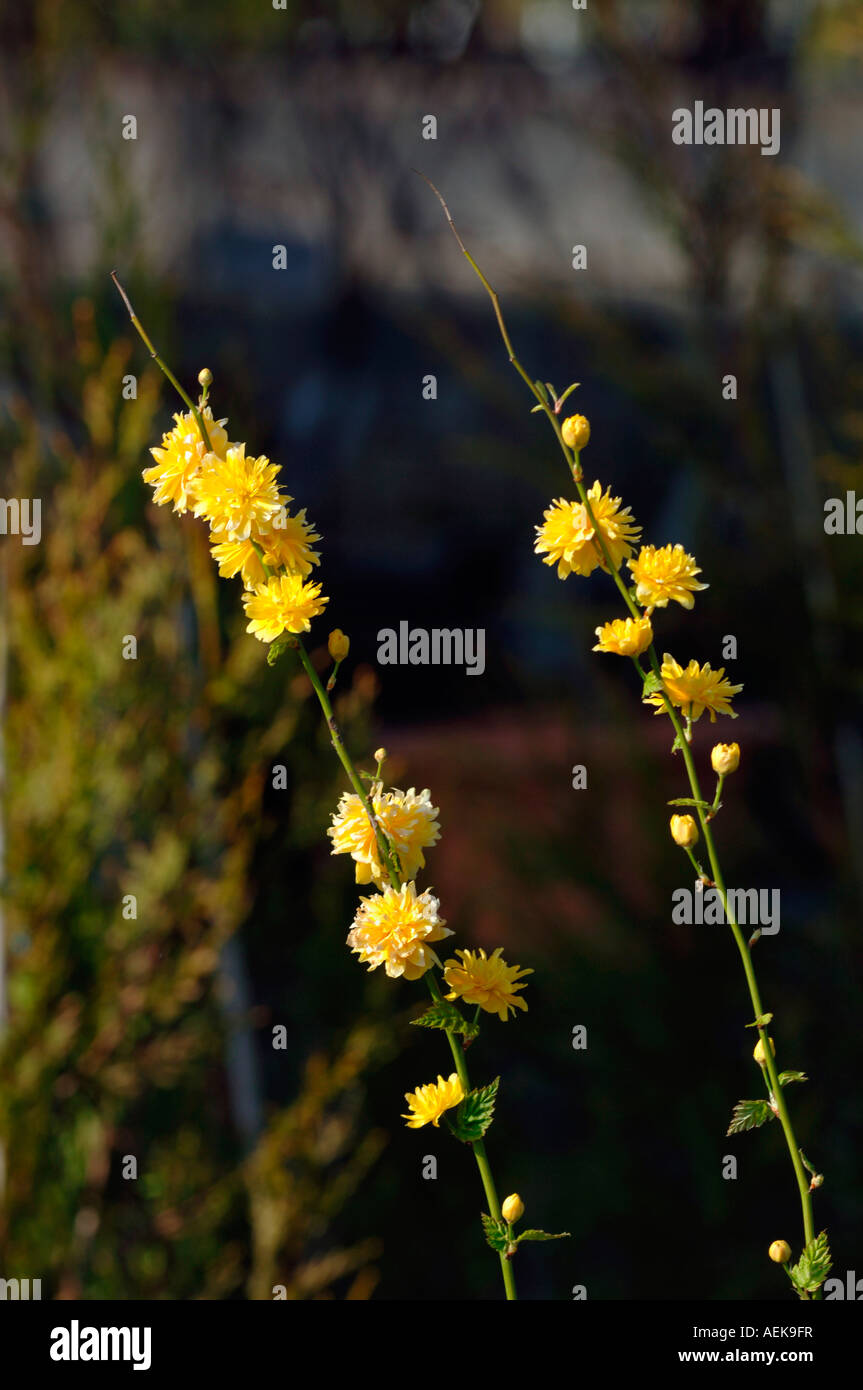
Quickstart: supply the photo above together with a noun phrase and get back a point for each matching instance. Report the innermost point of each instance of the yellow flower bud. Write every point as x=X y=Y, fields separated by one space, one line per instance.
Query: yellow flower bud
x=339 y=645
x=205 y=378
x=575 y=431
x=513 y=1208
x=380 y=755
x=760 y=1055
x=684 y=831
x=725 y=758
x=780 y=1252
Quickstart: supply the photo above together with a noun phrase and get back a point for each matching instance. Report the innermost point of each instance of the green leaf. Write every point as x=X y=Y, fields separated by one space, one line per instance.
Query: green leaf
x=749 y=1114
x=495 y=1233
x=475 y=1114
x=444 y=1015
x=817 y=1178
x=786 y=1077
x=761 y=1021
x=541 y=1235
x=278 y=647
x=689 y=801
x=814 y=1265
x=652 y=683
x=568 y=392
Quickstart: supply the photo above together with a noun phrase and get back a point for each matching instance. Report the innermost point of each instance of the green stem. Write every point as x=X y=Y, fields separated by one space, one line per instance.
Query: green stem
x=163 y=365
x=574 y=463
x=478 y=1146
x=384 y=848
x=755 y=996
x=395 y=879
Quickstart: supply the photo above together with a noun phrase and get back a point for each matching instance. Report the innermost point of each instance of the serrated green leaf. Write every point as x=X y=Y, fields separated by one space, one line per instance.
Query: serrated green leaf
x=689 y=801
x=475 y=1114
x=786 y=1077
x=652 y=683
x=442 y=1014
x=541 y=1235
x=749 y=1114
x=495 y=1233
x=814 y=1265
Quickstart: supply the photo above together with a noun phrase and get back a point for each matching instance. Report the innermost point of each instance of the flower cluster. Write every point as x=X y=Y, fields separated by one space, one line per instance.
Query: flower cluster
x=598 y=532
x=253 y=533
x=255 y=536
x=386 y=833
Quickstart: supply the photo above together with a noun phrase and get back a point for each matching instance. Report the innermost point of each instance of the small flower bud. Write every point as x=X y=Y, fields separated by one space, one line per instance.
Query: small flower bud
x=205 y=378
x=760 y=1055
x=513 y=1208
x=339 y=645
x=780 y=1252
x=380 y=755
x=725 y=758
x=684 y=831
x=576 y=431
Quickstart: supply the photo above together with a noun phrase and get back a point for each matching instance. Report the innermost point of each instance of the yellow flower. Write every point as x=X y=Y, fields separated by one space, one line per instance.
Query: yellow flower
x=338 y=645
x=408 y=819
x=287 y=543
x=180 y=457
x=684 y=831
x=725 y=758
x=780 y=1252
x=239 y=557
x=512 y=1208
x=282 y=604
x=625 y=636
x=485 y=980
x=695 y=690
x=395 y=929
x=576 y=431
x=664 y=574
x=237 y=495
x=285 y=546
x=428 y=1103
x=567 y=535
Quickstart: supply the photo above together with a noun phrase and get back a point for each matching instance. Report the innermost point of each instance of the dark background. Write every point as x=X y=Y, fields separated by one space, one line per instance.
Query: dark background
x=152 y=1037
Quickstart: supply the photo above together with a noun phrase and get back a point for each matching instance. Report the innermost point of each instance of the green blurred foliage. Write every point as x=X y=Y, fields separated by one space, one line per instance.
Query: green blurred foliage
x=134 y=809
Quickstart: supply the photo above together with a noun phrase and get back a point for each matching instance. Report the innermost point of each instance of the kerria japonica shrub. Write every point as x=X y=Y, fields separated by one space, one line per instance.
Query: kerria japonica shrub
x=588 y=529
x=256 y=539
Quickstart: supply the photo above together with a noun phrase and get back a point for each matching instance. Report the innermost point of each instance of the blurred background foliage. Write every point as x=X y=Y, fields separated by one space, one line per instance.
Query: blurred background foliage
x=152 y=1036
